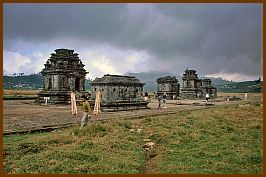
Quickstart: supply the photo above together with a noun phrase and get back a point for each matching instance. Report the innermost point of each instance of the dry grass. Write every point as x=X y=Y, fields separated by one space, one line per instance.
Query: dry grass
x=241 y=95
x=20 y=92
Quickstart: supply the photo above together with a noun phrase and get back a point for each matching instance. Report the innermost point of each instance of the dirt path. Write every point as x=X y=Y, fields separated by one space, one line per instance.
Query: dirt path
x=25 y=115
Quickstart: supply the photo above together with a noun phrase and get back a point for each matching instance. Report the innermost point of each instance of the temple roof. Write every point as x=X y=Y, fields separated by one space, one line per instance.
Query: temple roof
x=206 y=80
x=167 y=79
x=117 y=79
x=64 y=60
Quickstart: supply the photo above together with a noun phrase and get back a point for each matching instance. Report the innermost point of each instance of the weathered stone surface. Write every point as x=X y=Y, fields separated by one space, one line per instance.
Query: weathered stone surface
x=64 y=72
x=193 y=87
x=208 y=88
x=168 y=85
x=119 y=92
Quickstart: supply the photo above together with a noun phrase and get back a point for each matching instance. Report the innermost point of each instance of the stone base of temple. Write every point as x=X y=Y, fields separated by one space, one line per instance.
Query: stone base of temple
x=124 y=105
x=63 y=97
x=196 y=94
x=190 y=93
x=169 y=95
x=53 y=97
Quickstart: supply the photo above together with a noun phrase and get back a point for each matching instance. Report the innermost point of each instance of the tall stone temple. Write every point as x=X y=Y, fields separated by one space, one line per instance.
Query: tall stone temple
x=193 y=87
x=119 y=92
x=168 y=85
x=63 y=73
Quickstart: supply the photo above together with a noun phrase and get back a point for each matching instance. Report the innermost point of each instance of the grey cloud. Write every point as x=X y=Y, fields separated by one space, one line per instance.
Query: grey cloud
x=44 y=22
x=180 y=35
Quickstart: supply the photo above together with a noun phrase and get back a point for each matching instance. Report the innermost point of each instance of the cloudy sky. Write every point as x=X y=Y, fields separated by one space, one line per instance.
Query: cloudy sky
x=220 y=40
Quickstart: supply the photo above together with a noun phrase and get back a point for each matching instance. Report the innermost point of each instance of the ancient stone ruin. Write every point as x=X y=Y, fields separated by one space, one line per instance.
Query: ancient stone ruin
x=119 y=92
x=168 y=85
x=63 y=73
x=193 y=87
x=208 y=88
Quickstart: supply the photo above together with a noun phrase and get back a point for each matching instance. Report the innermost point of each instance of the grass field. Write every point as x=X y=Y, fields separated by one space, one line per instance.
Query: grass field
x=223 y=139
x=252 y=96
x=21 y=92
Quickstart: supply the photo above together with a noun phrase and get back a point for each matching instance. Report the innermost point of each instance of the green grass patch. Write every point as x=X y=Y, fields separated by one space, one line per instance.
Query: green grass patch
x=219 y=140
x=97 y=148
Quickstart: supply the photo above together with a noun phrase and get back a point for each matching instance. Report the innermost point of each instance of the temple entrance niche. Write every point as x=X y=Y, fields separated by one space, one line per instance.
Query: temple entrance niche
x=63 y=72
x=50 y=83
x=77 y=84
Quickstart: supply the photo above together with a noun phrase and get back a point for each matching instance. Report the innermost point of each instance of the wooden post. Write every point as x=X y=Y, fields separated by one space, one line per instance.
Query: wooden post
x=73 y=104
x=246 y=96
x=97 y=104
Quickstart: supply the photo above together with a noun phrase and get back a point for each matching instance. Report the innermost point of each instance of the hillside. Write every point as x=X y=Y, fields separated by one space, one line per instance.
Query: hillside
x=149 y=78
x=32 y=81
x=237 y=87
x=217 y=81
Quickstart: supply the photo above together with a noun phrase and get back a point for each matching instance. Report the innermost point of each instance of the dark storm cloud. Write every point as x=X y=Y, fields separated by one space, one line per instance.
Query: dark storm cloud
x=208 y=37
x=44 y=22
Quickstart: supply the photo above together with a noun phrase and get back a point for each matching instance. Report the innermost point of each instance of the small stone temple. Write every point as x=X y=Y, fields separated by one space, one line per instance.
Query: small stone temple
x=193 y=87
x=208 y=88
x=168 y=85
x=63 y=73
x=119 y=92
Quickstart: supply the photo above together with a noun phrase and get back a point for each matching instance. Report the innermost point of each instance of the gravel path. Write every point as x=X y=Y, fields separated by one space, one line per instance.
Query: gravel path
x=22 y=116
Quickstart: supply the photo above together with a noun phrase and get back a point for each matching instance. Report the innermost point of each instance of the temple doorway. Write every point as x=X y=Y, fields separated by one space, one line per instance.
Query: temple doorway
x=77 y=84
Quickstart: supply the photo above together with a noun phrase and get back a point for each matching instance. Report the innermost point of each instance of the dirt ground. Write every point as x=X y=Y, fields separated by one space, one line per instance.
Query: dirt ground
x=20 y=115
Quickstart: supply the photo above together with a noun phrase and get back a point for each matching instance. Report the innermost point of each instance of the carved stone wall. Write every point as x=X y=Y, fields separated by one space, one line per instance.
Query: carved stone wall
x=168 y=85
x=122 y=92
x=63 y=72
x=193 y=87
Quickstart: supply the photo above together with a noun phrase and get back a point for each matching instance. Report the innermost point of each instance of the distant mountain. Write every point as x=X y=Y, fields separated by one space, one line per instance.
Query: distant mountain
x=218 y=81
x=149 y=78
x=32 y=81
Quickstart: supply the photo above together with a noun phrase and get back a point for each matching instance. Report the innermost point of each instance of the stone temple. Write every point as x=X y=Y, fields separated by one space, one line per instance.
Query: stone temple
x=208 y=88
x=119 y=92
x=193 y=87
x=168 y=85
x=63 y=73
